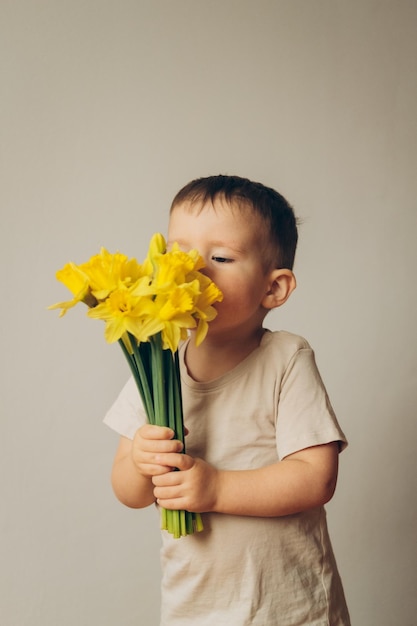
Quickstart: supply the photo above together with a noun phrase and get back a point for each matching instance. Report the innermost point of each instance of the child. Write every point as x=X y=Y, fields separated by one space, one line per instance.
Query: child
x=263 y=442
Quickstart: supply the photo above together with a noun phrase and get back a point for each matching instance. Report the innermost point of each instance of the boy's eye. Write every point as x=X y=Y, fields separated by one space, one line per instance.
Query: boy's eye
x=221 y=259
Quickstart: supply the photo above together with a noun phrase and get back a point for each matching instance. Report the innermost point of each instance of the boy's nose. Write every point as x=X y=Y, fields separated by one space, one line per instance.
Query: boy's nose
x=206 y=271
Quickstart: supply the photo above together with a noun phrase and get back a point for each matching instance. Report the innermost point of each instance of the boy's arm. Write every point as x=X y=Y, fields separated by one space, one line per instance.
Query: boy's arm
x=129 y=485
x=133 y=465
x=301 y=481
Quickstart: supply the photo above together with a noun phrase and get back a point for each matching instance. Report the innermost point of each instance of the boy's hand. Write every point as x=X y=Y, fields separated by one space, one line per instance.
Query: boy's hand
x=154 y=451
x=193 y=488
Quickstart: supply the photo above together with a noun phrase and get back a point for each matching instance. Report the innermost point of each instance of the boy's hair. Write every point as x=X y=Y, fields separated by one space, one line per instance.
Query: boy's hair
x=276 y=213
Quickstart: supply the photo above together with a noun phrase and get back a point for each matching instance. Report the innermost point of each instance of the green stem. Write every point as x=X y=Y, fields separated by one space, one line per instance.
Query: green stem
x=170 y=390
x=176 y=530
x=164 y=520
x=178 y=409
x=130 y=359
x=140 y=379
x=198 y=522
x=143 y=380
x=158 y=381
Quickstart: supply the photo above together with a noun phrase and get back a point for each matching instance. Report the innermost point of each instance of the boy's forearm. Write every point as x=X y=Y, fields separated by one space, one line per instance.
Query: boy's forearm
x=129 y=485
x=282 y=489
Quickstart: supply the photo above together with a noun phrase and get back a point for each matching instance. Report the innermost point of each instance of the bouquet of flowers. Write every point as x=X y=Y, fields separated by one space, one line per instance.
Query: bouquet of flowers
x=149 y=308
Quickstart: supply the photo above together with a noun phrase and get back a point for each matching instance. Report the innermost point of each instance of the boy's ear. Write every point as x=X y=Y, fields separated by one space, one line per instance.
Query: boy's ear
x=281 y=285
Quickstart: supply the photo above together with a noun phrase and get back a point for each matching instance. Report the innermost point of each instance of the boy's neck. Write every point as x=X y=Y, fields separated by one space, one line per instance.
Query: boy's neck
x=215 y=357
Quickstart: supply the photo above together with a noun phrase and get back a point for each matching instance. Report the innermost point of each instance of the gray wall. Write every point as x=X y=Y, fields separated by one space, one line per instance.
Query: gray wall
x=107 y=108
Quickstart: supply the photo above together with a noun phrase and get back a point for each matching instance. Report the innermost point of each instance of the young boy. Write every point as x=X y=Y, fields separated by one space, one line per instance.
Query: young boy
x=263 y=442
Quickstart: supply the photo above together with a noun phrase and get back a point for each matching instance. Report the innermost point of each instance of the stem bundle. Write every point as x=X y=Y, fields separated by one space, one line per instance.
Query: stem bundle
x=157 y=375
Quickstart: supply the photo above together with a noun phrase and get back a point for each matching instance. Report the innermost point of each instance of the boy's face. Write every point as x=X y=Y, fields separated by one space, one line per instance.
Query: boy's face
x=230 y=241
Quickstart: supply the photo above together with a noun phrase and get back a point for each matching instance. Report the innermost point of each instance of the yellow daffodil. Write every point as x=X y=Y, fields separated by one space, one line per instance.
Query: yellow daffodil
x=77 y=282
x=175 y=310
x=203 y=305
x=157 y=247
x=173 y=268
x=205 y=311
x=107 y=272
x=92 y=282
x=124 y=313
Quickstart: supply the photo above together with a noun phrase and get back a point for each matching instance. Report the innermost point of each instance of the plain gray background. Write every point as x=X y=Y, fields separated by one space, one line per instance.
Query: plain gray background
x=107 y=108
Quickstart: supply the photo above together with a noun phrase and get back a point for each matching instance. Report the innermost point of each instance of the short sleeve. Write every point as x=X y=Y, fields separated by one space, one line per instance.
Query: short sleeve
x=126 y=414
x=305 y=416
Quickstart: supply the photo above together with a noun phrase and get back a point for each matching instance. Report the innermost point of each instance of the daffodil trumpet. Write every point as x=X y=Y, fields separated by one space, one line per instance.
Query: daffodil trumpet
x=149 y=309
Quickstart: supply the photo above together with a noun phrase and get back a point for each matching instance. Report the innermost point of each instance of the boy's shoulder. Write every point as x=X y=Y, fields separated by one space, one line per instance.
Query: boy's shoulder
x=280 y=348
x=284 y=340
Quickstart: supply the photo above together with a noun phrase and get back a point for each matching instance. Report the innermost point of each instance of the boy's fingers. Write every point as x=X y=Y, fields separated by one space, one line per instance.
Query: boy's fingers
x=155 y=470
x=150 y=431
x=156 y=446
x=177 y=461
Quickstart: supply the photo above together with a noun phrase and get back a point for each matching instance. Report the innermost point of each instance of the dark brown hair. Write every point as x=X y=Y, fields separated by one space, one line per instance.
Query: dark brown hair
x=274 y=210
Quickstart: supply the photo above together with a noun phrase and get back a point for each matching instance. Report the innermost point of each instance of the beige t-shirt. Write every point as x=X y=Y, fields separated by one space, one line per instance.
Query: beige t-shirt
x=249 y=570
